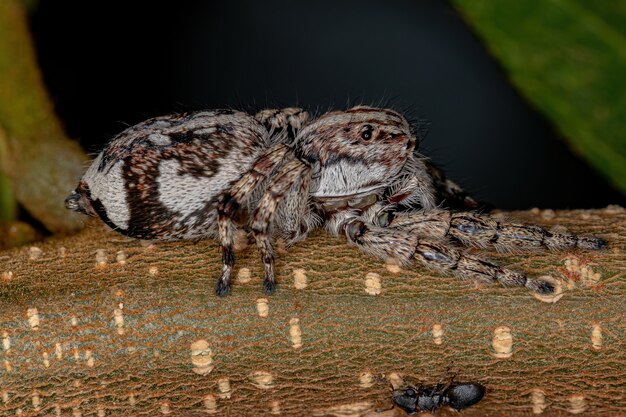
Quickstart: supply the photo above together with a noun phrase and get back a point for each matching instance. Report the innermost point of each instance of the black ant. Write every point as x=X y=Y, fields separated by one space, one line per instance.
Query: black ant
x=412 y=398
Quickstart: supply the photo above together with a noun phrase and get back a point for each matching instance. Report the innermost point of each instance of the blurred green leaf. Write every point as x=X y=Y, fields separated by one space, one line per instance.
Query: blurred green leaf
x=568 y=57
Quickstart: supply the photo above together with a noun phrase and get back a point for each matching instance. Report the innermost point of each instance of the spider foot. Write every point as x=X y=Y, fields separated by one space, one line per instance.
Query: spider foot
x=592 y=242
x=269 y=286
x=540 y=287
x=222 y=288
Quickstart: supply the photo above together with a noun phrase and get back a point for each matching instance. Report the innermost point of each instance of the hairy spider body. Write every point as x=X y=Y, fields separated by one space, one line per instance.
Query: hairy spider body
x=355 y=172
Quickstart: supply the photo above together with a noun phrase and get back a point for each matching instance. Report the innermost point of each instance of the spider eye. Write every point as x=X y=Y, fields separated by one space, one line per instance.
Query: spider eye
x=367 y=133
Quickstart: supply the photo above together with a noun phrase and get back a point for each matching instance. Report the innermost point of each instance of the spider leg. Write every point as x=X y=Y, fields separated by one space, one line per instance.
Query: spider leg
x=481 y=230
x=232 y=200
x=264 y=214
x=405 y=246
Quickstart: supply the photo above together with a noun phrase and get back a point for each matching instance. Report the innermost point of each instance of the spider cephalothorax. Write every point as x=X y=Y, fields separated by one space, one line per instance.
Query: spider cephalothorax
x=355 y=173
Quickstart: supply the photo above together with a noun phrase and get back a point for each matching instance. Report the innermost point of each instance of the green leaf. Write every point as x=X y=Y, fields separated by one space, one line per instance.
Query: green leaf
x=568 y=58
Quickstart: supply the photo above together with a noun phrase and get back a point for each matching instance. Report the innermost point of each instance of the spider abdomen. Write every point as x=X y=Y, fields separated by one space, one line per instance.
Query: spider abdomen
x=163 y=178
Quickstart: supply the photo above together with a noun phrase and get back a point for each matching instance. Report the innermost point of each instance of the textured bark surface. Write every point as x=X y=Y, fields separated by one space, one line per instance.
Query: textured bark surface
x=83 y=333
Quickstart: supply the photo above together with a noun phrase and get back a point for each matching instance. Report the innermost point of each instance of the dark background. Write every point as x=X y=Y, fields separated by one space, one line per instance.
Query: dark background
x=115 y=63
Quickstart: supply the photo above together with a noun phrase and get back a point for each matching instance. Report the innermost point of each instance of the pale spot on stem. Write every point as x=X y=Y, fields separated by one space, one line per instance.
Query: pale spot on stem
x=577 y=404
x=201 y=357
x=502 y=342
x=596 y=336
x=295 y=333
x=373 y=284
x=538 y=399
x=223 y=385
x=299 y=279
x=262 y=379
x=262 y=307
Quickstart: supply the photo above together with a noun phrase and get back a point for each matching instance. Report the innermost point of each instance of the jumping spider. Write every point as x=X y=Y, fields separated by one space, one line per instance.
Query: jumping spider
x=356 y=173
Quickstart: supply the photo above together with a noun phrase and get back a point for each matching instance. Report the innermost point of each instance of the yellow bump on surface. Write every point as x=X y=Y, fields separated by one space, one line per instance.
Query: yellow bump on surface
x=165 y=408
x=538 y=399
x=366 y=380
x=556 y=295
x=120 y=257
x=58 y=351
x=548 y=214
x=36 y=400
x=76 y=412
x=6 y=341
x=395 y=380
x=101 y=258
x=7 y=276
x=34 y=253
x=7 y=365
x=33 y=318
x=19 y=412
x=132 y=399
x=210 y=403
x=373 y=285
x=596 y=336
x=275 y=407
x=118 y=319
x=262 y=307
x=201 y=357
x=437 y=334
x=502 y=342
x=57 y=410
x=299 y=279
x=46 y=359
x=223 y=386
x=244 y=275
x=76 y=355
x=295 y=333
x=535 y=211
x=89 y=358
x=577 y=404
x=5 y=397
x=392 y=266
x=101 y=411
x=62 y=252
x=262 y=379
x=153 y=270
x=74 y=321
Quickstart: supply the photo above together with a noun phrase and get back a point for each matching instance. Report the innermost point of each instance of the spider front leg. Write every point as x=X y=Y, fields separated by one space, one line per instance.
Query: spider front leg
x=404 y=246
x=230 y=204
x=280 y=186
x=481 y=230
